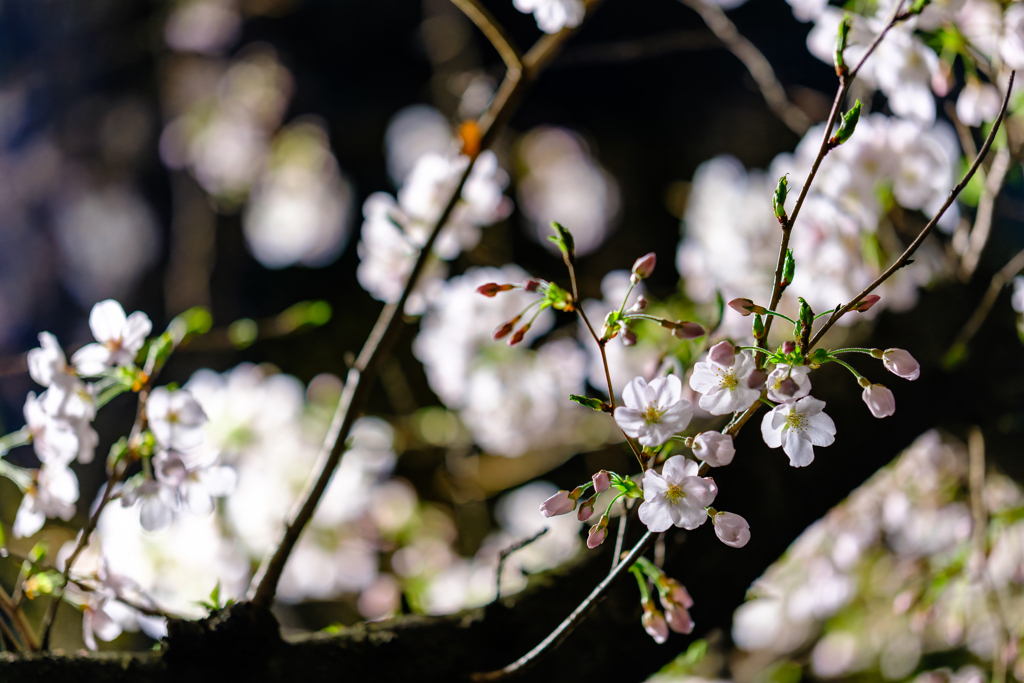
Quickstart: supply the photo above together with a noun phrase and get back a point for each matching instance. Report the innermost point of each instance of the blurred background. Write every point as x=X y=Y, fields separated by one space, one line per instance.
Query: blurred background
x=218 y=153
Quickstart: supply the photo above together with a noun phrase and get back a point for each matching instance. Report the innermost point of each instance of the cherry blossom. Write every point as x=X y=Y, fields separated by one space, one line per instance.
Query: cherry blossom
x=797 y=427
x=654 y=622
x=175 y=418
x=598 y=533
x=978 y=103
x=54 y=441
x=724 y=387
x=714 y=448
x=559 y=504
x=602 y=481
x=653 y=412
x=879 y=400
x=901 y=364
x=553 y=15
x=677 y=496
x=53 y=494
x=118 y=338
x=789 y=383
x=732 y=529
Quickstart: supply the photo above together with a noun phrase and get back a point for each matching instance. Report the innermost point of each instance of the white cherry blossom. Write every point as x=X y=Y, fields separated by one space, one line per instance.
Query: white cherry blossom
x=53 y=494
x=978 y=103
x=732 y=529
x=118 y=338
x=797 y=427
x=553 y=15
x=175 y=418
x=724 y=388
x=714 y=448
x=789 y=383
x=879 y=400
x=677 y=496
x=653 y=412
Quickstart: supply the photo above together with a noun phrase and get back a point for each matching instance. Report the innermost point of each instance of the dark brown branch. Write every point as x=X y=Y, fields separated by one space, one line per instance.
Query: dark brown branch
x=490 y=27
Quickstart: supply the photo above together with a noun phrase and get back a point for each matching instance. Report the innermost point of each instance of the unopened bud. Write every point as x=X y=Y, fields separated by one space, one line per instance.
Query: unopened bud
x=723 y=353
x=758 y=329
x=586 y=509
x=848 y=125
x=643 y=267
x=565 y=242
x=492 y=288
x=866 y=303
x=520 y=333
x=628 y=337
x=788 y=346
x=779 y=198
x=806 y=314
x=640 y=305
x=788 y=269
x=504 y=330
x=531 y=285
x=757 y=379
x=745 y=307
x=688 y=330
x=598 y=533
x=841 y=38
x=602 y=480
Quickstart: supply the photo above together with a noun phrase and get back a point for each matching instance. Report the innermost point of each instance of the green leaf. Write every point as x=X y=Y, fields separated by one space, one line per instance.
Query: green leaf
x=595 y=403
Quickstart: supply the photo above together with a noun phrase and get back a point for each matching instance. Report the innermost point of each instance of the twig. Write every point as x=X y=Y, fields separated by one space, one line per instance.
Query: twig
x=758 y=66
x=926 y=230
x=620 y=536
x=385 y=332
x=572 y=621
x=490 y=27
x=973 y=324
x=787 y=226
x=986 y=210
x=648 y=47
x=504 y=556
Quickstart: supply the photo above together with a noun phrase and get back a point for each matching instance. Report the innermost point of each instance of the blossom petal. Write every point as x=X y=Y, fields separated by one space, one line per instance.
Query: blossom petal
x=633 y=393
x=771 y=435
x=700 y=490
x=656 y=517
x=675 y=469
x=798 y=448
x=668 y=391
x=630 y=420
x=107 y=320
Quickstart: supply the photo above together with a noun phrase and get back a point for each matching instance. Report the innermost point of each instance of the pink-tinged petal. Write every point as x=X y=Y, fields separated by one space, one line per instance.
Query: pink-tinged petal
x=820 y=430
x=633 y=393
x=809 y=406
x=668 y=391
x=879 y=400
x=701 y=490
x=714 y=448
x=654 y=484
x=655 y=625
x=656 y=434
x=598 y=533
x=558 y=504
x=799 y=449
x=688 y=516
x=630 y=420
x=718 y=401
x=675 y=469
x=732 y=529
x=656 y=517
x=678 y=619
x=771 y=435
x=723 y=353
x=602 y=480
x=107 y=320
x=678 y=415
x=901 y=364
x=704 y=378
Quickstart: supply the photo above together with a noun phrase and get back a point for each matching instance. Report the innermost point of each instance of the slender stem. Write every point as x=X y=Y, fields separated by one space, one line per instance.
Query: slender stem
x=626 y=298
x=504 y=556
x=973 y=324
x=787 y=226
x=847 y=366
x=926 y=230
x=572 y=621
x=756 y=349
x=641 y=582
x=766 y=402
x=263 y=587
x=870 y=352
x=490 y=27
x=621 y=535
x=759 y=67
x=824 y=313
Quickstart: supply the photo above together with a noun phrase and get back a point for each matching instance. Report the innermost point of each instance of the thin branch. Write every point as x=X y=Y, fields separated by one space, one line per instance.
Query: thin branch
x=632 y=50
x=385 y=332
x=572 y=621
x=490 y=27
x=845 y=81
x=986 y=210
x=759 y=67
x=973 y=324
x=504 y=556
x=620 y=536
x=926 y=230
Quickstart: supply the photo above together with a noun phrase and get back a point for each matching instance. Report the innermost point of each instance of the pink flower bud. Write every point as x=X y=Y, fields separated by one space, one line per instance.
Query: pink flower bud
x=586 y=509
x=640 y=305
x=901 y=364
x=678 y=619
x=731 y=529
x=643 y=267
x=598 y=533
x=559 y=504
x=531 y=285
x=788 y=346
x=492 y=288
x=504 y=330
x=745 y=307
x=879 y=400
x=687 y=330
x=866 y=303
x=714 y=448
x=722 y=353
x=757 y=379
x=629 y=337
x=654 y=623
x=602 y=480
x=675 y=593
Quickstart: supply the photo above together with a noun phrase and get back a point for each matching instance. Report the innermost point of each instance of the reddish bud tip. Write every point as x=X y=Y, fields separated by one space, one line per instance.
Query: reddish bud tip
x=531 y=285
x=788 y=346
x=518 y=336
x=629 y=337
x=866 y=303
x=745 y=307
x=492 y=288
x=504 y=330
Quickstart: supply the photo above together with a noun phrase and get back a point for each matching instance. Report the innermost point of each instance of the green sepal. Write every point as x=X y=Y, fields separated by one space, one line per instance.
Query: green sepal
x=848 y=125
x=595 y=403
x=788 y=269
x=779 y=198
x=566 y=244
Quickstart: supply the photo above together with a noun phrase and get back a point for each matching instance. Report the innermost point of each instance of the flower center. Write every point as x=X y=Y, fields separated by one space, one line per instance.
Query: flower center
x=674 y=494
x=652 y=415
x=727 y=379
x=796 y=421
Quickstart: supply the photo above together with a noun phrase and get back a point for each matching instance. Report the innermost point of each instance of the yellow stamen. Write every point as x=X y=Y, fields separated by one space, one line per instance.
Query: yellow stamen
x=674 y=494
